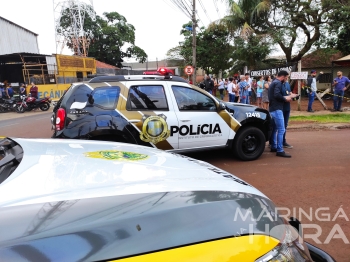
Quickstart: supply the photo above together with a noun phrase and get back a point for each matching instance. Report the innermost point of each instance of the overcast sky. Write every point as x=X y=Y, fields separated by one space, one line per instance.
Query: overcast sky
x=157 y=22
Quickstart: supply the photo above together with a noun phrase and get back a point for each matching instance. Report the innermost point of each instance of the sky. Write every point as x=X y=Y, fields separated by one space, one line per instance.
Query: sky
x=157 y=22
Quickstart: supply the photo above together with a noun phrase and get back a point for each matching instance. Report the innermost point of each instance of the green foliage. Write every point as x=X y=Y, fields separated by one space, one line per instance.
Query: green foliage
x=111 y=33
x=297 y=26
x=334 y=118
x=250 y=52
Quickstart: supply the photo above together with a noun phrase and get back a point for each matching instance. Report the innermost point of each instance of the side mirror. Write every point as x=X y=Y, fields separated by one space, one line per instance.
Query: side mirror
x=222 y=106
x=91 y=100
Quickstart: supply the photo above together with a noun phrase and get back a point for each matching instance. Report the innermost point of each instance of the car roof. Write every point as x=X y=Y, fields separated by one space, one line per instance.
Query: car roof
x=56 y=170
x=121 y=78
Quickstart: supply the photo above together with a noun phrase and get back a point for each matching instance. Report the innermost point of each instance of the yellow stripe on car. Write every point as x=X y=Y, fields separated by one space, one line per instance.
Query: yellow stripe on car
x=242 y=249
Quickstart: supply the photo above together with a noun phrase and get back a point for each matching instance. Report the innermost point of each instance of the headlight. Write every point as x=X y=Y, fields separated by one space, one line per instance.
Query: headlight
x=288 y=250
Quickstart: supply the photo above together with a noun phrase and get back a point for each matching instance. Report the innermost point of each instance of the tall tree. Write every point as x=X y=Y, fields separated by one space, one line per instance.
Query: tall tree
x=113 y=39
x=296 y=26
x=250 y=52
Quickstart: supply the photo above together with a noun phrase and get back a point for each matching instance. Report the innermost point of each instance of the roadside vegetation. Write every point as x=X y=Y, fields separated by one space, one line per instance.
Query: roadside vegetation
x=331 y=118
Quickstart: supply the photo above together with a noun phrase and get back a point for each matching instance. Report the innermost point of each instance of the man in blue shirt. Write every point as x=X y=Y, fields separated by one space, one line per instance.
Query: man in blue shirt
x=277 y=100
x=340 y=84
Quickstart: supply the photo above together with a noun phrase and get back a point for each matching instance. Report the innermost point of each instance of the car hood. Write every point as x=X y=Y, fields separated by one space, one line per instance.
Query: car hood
x=56 y=170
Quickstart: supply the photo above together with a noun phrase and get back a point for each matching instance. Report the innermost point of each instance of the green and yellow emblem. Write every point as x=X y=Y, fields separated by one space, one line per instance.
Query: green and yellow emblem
x=154 y=129
x=116 y=155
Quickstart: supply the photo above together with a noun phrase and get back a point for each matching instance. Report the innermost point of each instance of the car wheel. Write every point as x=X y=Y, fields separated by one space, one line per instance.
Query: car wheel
x=249 y=143
x=45 y=107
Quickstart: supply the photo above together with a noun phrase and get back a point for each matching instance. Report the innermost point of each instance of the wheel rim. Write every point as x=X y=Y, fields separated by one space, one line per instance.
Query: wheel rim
x=250 y=144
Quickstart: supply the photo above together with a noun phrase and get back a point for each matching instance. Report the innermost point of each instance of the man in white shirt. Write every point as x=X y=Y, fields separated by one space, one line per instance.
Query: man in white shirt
x=249 y=82
x=230 y=90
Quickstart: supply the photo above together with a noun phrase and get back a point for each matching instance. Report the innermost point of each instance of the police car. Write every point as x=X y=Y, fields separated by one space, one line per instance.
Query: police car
x=161 y=111
x=76 y=200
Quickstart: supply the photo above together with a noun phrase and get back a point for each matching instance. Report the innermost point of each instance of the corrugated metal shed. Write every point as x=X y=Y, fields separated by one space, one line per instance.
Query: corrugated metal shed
x=16 y=39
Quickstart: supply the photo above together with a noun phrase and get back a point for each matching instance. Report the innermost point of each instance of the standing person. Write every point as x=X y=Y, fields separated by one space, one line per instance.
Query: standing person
x=34 y=91
x=225 y=85
x=221 y=87
x=277 y=100
x=230 y=90
x=254 y=89
x=340 y=84
x=5 y=93
x=265 y=96
x=243 y=91
x=22 y=90
x=286 y=90
x=259 y=91
x=249 y=82
x=209 y=85
x=10 y=91
x=312 y=89
x=236 y=90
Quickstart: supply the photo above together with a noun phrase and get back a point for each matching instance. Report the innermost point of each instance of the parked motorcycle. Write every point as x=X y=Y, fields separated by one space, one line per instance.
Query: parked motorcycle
x=30 y=103
x=7 y=105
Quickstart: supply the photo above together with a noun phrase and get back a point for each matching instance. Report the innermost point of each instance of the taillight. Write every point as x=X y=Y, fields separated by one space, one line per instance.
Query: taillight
x=60 y=118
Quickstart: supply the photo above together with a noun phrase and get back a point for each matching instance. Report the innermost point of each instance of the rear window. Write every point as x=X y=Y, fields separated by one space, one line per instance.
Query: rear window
x=106 y=97
x=103 y=97
x=151 y=97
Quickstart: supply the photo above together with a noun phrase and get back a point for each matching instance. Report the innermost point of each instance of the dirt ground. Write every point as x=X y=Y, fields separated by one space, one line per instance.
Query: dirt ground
x=317 y=176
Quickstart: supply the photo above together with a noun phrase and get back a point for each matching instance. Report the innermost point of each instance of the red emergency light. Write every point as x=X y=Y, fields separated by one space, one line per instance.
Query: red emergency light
x=165 y=71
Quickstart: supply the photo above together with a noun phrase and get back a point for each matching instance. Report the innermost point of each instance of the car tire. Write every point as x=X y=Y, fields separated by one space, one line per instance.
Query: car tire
x=249 y=143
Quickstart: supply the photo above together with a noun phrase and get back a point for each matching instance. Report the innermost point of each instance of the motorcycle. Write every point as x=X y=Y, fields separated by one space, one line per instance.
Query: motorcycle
x=29 y=103
x=7 y=105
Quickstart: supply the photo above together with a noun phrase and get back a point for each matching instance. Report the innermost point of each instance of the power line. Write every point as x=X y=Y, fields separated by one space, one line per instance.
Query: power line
x=217 y=8
x=181 y=6
x=205 y=11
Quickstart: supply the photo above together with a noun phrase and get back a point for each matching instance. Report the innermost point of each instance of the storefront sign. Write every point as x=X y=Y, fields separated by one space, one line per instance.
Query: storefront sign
x=269 y=71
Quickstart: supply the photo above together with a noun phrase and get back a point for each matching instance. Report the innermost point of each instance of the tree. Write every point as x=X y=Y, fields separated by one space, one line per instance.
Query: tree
x=296 y=26
x=214 y=49
x=250 y=52
x=111 y=34
x=339 y=29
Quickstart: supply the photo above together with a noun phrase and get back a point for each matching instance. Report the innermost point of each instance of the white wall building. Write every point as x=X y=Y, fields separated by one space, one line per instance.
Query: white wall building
x=16 y=39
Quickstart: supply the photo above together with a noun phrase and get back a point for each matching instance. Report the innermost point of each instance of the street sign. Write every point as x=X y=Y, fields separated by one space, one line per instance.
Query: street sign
x=298 y=75
x=189 y=70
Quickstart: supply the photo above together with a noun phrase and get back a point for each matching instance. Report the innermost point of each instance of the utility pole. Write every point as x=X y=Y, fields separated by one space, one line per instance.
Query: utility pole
x=194 y=44
x=299 y=86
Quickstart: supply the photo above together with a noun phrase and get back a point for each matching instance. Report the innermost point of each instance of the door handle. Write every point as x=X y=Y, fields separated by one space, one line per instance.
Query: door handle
x=185 y=120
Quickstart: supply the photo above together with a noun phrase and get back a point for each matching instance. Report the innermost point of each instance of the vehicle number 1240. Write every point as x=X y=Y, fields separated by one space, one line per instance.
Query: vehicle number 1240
x=253 y=114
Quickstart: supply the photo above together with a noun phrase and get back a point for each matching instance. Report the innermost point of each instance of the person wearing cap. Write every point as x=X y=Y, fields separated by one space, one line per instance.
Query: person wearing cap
x=312 y=88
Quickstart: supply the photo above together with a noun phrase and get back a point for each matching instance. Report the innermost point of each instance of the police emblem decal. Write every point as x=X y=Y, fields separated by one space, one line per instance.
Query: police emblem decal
x=154 y=129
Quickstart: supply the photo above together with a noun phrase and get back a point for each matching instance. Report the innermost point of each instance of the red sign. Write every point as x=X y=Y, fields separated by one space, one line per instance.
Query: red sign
x=189 y=70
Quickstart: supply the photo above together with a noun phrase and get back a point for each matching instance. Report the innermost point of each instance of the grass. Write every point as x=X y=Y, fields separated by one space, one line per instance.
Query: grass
x=331 y=118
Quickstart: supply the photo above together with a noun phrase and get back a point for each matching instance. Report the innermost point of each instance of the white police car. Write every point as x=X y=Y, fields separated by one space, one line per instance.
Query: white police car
x=75 y=200
x=160 y=111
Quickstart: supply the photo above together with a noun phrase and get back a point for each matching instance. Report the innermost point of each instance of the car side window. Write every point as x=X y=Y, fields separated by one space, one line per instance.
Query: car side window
x=146 y=97
x=188 y=99
x=106 y=97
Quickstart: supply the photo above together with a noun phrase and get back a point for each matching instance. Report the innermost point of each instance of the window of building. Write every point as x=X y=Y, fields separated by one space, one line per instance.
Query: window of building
x=325 y=78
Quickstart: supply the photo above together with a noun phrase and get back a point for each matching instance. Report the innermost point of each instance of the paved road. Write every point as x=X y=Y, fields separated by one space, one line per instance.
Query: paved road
x=318 y=174
x=29 y=124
